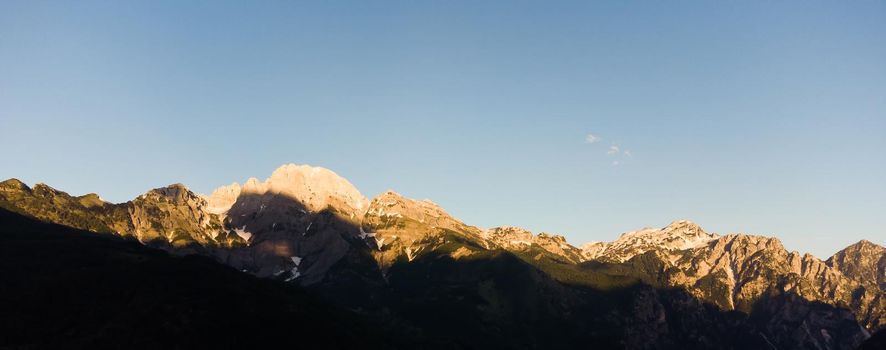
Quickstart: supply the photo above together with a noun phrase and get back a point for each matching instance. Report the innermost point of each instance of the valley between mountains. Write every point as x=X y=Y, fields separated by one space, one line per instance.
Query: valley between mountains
x=404 y=269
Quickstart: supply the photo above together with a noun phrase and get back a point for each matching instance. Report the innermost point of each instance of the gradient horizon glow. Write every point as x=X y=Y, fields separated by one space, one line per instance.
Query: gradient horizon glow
x=578 y=118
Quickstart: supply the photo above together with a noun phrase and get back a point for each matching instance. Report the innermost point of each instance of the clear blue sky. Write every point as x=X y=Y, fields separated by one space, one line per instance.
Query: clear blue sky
x=763 y=117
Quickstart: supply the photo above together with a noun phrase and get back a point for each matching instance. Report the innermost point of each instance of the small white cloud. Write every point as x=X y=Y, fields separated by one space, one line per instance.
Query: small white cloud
x=616 y=153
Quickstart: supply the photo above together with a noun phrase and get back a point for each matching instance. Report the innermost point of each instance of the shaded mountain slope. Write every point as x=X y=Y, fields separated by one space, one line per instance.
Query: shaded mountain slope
x=493 y=299
x=876 y=342
x=68 y=288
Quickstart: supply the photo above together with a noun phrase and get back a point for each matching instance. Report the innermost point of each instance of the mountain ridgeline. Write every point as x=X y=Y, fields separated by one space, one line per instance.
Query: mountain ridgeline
x=407 y=265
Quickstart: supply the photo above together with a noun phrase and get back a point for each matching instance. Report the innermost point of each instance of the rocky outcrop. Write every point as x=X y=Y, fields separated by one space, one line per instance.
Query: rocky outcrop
x=736 y=271
x=678 y=236
x=864 y=262
x=176 y=216
x=222 y=198
x=516 y=239
x=402 y=228
x=298 y=223
x=314 y=188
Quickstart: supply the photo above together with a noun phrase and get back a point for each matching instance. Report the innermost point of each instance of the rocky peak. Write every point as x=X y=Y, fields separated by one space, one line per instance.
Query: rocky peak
x=753 y=243
x=14 y=184
x=184 y=219
x=175 y=193
x=172 y=190
x=518 y=239
x=387 y=197
x=678 y=235
x=314 y=188
x=43 y=189
x=508 y=236
x=679 y=231
x=684 y=227
x=864 y=247
x=317 y=187
x=91 y=200
x=551 y=236
x=297 y=223
x=864 y=262
x=391 y=204
x=400 y=227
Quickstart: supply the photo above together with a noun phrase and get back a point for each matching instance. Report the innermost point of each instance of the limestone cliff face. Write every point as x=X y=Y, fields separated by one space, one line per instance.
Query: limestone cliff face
x=864 y=262
x=222 y=198
x=516 y=239
x=175 y=215
x=314 y=188
x=678 y=236
x=403 y=228
x=735 y=271
x=297 y=223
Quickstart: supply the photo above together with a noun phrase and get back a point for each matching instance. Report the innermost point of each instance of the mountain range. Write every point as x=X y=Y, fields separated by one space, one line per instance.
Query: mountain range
x=307 y=241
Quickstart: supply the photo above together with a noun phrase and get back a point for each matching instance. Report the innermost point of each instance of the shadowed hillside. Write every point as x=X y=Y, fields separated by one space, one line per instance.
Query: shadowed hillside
x=68 y=288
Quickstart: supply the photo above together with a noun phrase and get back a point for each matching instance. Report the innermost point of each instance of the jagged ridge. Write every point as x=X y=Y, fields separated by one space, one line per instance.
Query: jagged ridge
x=302 y=222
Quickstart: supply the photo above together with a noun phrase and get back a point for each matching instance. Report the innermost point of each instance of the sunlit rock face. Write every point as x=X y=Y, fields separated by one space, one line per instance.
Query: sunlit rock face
x=402 y=228
x=314 y=188
x=735 y=271
x=175 y=215
x=864 y=262
x=678 y=236
x=171 y=215
x=297 y=223
x=517 y=239
x=222 y=198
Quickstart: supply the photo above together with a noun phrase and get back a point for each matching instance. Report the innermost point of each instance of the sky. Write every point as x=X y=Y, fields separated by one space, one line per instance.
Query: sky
x=586 y=119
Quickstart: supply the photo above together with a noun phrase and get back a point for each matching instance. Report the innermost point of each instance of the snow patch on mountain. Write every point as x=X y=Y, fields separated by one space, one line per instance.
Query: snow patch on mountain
x=246 y=235
x=294 y=271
